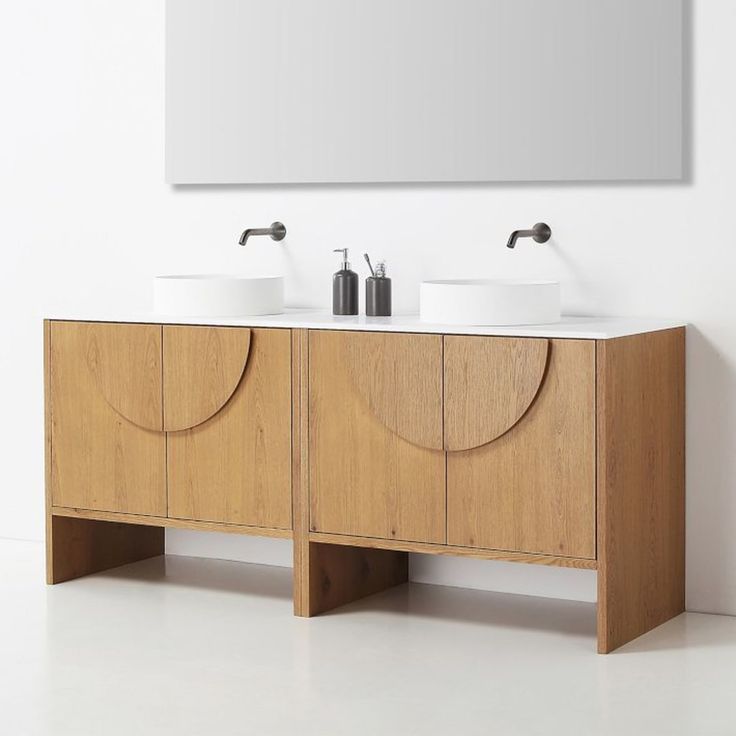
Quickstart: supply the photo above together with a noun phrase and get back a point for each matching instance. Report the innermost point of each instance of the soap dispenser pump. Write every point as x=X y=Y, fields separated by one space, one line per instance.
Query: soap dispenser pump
x=344 y=287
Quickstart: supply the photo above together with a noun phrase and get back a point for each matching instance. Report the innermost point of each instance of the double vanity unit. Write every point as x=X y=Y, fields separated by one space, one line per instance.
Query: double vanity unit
x=366 y=439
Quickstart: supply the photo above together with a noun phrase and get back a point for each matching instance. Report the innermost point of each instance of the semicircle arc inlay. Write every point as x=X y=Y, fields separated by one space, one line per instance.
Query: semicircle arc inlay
x=490 y=383
x=203 y=367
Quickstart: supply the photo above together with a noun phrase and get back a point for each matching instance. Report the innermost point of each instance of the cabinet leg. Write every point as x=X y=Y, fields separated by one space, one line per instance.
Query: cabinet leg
x=328 y=575
x=627 y=609
x=641 y=484
x=77 y=547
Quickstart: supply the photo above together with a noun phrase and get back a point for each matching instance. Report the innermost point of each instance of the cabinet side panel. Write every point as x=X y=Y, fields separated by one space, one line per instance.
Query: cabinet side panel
x=47 y=446
x=83 y=546
x=641 y=484
x=99 y=459
x=340 y=575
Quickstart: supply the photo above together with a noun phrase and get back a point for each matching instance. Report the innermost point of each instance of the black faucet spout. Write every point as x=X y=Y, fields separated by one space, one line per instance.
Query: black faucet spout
x=277 y=231
x=541 y=233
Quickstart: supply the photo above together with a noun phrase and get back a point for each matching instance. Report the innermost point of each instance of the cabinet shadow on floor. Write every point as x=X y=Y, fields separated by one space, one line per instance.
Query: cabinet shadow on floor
x=224 y=576
x=567 y=618
x=570 y=618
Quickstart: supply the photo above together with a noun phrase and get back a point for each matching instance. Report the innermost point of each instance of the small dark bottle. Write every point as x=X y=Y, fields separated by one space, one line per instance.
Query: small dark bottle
x=378 y=293
x=344 y=287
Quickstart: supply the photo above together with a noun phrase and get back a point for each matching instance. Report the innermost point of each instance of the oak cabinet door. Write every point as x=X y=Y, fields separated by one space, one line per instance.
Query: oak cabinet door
x=108 y=451
x=377 y=467
x=520 y=435
x=227 y=412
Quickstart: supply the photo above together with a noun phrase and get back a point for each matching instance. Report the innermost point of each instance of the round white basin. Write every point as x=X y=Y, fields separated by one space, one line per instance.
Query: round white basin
x=212 y=295
x=489 y=302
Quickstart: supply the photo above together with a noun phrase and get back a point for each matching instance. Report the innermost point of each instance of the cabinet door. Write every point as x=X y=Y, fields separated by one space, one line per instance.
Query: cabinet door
x=107 y=448
x=377 y=468
x=520 y=430
x=227 y=409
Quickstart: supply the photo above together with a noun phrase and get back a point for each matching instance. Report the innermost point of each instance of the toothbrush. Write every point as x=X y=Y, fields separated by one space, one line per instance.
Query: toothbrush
x=368 y=261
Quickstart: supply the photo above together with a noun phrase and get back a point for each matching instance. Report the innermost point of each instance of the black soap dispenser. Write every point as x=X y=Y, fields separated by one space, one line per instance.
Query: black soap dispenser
x=344 y=287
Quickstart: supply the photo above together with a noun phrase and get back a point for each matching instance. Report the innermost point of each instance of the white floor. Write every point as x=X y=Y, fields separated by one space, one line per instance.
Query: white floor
x=206 y=647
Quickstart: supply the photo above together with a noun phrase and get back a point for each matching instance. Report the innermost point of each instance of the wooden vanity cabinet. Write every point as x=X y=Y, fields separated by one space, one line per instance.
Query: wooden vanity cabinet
x=558 y=452
x=484 y=442
x=174 y=422
x=365 y=446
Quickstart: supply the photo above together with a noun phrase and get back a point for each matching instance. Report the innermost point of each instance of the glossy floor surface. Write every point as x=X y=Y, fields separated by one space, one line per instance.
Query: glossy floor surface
x=204 y=647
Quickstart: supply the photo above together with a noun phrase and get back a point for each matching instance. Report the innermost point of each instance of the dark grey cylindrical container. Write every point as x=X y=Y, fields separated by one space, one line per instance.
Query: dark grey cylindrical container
x=344 y=288
x=345 y=292
x=378 y=296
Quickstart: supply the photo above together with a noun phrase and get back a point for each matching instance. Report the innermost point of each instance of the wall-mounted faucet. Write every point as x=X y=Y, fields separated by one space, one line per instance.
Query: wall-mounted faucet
x=277 y=231
x=541 y=233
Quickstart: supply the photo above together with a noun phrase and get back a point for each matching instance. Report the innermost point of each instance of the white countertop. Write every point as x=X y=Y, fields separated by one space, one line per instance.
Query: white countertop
x=589 y=328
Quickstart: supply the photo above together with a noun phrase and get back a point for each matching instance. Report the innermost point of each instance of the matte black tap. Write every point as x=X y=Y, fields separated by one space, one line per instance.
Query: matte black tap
x=541 y=233
x=277 y=231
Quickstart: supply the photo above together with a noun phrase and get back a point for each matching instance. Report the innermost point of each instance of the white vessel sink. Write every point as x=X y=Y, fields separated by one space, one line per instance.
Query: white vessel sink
x=212 y=295
x=489 y=302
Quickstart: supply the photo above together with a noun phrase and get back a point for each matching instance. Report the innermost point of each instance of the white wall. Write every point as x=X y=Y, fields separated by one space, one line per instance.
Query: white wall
x=85 y=217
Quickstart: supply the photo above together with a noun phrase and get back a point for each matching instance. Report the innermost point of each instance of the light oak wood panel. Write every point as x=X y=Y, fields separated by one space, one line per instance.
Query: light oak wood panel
x=300 y=468
x=340 y=575
x=532 y=490
x=99 y=459
x=365 y=479
x=400 y=380
x=641 y=484
x=48 y=501
x=202 y=369
x=169 y=523
x=236 y=467
x=125 y=361
x=490 y=382
x=326 y=577
x=453 y=551
x=78 y=547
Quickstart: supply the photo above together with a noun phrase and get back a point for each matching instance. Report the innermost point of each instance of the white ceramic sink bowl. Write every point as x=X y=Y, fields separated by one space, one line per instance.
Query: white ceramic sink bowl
x=489 y=302
x=212 y=295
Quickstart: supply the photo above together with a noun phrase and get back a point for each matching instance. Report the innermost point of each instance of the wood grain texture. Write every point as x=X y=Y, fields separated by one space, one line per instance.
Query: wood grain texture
x=202 y=369
x=125 y=362
x=365 y=479
x=340 y=575
x=236 y=467
x=490 y=382
x=99 y=459
x=300 y=468
x=532 y=490
x=325 y=578
x=400 y=380
x=453 y=551
x=169 y=523
x=48 y=501
x=641 y=484
x=82 y=546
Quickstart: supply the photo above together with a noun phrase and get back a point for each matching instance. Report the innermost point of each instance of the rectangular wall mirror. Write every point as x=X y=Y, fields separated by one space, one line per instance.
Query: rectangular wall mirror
x=287 y=91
